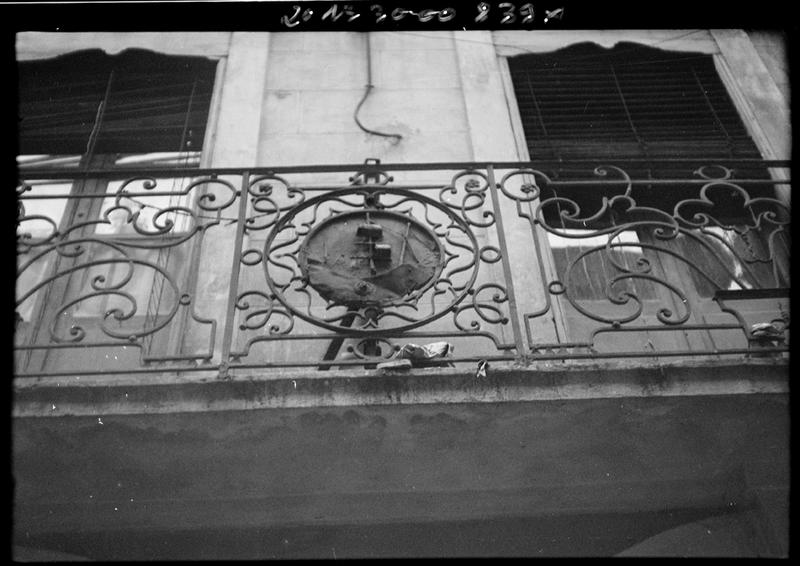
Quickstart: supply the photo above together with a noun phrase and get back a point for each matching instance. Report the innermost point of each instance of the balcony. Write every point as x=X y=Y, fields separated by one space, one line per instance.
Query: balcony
x=158 y=309
x=235 y=272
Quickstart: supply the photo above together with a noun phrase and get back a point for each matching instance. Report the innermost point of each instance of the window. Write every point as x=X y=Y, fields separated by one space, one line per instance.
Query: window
x=93 y=262
x=649 y=112
x=633 y=101
x=137 y=102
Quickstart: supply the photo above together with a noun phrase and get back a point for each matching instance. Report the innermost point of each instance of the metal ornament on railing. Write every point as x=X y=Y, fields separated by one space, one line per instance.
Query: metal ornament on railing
x=651 y=268
x=352 y=274
x=90 y=290
x=371 y=260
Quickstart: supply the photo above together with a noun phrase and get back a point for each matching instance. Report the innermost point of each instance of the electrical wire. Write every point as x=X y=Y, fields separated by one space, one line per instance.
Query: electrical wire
x=367 y=91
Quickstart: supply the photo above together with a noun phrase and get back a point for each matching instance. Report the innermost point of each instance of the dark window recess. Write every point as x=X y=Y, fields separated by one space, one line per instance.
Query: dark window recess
x=632 y=102
x=93 y=103
x=587 y=102
x=648 y=111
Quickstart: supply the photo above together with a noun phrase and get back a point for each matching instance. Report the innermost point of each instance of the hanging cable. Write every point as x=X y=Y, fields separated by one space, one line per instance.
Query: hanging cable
x=367 y=92
x=98 y=121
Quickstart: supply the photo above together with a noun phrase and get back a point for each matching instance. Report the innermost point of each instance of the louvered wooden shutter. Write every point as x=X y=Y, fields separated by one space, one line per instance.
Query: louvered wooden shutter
x=631 y=101
x=155 y=103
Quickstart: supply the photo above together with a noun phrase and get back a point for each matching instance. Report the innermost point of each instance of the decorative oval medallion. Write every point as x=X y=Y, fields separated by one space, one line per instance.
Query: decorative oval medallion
x=370 y=258
x=361 y=260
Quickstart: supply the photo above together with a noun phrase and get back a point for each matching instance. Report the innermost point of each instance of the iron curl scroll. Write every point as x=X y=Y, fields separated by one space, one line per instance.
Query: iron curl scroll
x=600 y=219
x=284 y=275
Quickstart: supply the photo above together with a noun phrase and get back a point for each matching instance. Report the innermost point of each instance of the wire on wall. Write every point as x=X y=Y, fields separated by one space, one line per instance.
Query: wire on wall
x=367 y=91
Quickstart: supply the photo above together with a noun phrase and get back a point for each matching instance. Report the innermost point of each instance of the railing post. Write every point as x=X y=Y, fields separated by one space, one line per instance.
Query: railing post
x=501 y=238
x=230 y=309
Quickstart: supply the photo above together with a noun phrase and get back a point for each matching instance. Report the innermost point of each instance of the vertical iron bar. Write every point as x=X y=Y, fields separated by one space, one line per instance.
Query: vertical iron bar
x=230 y=311
x=501 y=239
x=180 y=327
x=195 y=248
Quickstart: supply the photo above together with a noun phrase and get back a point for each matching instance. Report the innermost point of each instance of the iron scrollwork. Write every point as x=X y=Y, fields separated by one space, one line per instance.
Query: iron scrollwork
x=620 y=263
x=106 y=278
x=328 y=274
x=370 y=262
x=392 y=298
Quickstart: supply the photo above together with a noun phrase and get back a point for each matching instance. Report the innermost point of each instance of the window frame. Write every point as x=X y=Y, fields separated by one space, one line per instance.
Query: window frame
x=92 y=209
x=736 y=94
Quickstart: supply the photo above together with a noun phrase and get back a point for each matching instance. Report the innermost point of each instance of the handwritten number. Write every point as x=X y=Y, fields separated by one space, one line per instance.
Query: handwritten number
x=526 y=10
x=508 y=16
x=334 y=13
x=291 y=21
x=427 y=15
x=424 y=16
x=379 y=15
x=483 y=12
x=447 y=14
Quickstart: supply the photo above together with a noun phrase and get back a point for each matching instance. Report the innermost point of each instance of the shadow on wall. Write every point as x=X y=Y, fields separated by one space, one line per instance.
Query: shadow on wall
x=680 y=533
x=724 y=536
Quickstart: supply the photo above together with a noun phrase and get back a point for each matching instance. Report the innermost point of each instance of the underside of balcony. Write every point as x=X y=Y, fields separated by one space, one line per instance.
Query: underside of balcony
x=590 y=462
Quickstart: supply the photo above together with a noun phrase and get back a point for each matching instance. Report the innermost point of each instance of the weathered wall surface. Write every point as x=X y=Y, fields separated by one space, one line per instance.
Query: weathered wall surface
x=755 y=92
x=133 y=474
x=772 y=49
x=315 y=81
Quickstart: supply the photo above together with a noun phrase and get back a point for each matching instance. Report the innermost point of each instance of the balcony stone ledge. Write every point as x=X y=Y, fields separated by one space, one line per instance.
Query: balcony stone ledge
x=292 y=388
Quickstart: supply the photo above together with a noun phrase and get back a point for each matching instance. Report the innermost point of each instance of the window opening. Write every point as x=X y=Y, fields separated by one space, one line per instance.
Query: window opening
x=93 y=111
x=649 y=112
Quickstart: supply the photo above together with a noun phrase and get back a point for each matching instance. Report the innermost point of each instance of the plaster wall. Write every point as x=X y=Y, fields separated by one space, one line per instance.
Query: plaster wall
x=107 y=480
x=773 y=50
x=315 y=81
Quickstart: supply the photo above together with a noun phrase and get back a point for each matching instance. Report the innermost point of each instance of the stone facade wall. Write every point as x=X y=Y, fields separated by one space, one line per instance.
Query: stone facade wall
x=289 y=98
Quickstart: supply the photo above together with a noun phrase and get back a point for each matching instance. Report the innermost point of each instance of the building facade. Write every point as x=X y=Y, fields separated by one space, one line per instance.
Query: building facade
x=234 y=249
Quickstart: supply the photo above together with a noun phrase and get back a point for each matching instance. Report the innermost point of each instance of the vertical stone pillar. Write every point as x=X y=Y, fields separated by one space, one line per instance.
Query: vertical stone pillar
x=763 y=108
x=234 y=143
x=492 y=139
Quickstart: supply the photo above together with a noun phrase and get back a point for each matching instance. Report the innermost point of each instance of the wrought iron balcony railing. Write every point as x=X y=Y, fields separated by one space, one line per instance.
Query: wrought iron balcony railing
x=330 y=267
